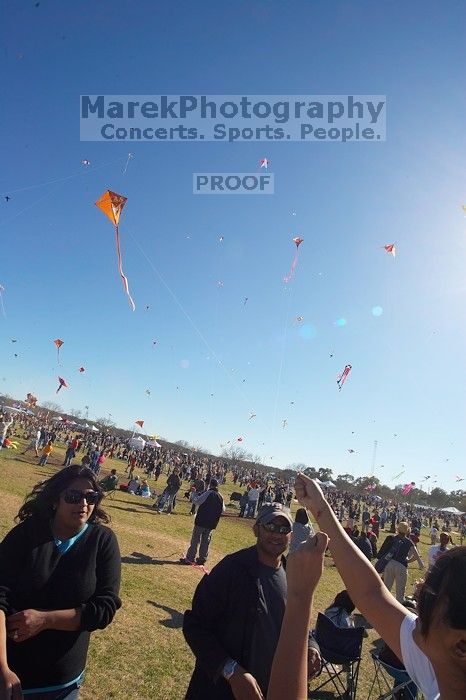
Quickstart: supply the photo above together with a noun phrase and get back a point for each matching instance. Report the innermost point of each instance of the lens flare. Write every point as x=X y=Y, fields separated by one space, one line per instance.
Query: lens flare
x=307 y=331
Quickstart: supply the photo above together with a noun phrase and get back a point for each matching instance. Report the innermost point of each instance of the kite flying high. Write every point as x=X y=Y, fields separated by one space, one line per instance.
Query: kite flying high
x=112 y=205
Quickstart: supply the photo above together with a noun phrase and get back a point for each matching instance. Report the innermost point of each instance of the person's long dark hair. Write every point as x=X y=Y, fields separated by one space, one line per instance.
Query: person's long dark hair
x=444 y=591
x=42 y=500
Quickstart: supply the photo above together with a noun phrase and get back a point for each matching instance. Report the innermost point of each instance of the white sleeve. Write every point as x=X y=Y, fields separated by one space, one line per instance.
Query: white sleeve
x=415 y=661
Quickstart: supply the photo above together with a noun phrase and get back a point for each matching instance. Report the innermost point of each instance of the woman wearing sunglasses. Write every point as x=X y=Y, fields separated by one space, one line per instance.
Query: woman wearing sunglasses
x=59 y=580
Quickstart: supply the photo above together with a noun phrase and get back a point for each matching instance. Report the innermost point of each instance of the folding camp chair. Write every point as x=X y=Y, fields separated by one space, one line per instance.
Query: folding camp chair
x=340 y=649
x=391 y=682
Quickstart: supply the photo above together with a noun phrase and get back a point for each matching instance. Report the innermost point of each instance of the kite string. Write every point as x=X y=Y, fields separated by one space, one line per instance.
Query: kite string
x=60 y=181
x=193 y=325
x=280 y=370
x=81 y=173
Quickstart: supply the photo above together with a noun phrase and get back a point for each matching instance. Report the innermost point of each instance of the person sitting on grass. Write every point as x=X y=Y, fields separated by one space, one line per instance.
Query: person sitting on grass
x=144 y=489
x=340 y=611
x=133 y=486
x=110 y=482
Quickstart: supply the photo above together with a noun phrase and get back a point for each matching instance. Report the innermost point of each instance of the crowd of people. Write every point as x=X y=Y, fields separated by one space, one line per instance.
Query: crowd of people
x=249 y=622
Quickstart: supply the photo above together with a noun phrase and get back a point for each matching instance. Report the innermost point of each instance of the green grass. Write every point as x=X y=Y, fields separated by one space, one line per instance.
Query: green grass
x=142 y=654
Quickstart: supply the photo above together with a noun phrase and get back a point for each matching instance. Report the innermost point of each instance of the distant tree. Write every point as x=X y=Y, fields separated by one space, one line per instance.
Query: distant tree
x=51 y=406
x=76 y=413
x=105 y=422
x=438 y=498
x=343 y=481
x=297 y=467
x=182 y=443
x=325 y=474
x=235 y=453
x=257 y=459
x=198 y=448
x=311 y=472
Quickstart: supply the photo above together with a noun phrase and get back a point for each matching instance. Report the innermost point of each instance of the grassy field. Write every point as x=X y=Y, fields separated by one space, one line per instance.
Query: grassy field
x=143 y=653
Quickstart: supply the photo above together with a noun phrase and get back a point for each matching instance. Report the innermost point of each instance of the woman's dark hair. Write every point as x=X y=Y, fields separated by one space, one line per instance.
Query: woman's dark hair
x=342 y=600
x=444 y=591
x=301 y=516
x=44 y=496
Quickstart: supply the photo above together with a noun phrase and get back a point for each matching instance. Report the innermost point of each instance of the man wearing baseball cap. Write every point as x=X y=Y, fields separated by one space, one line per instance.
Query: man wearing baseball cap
x=237 y=611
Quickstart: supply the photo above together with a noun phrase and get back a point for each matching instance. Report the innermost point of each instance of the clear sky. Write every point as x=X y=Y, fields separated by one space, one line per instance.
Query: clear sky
x=218 y=359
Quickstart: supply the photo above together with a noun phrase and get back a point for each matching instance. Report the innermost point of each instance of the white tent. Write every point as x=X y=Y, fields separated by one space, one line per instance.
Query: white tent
x=137 y=443
x=58 y=418
x=153 y=443
x=94 y=429
x=328 y=484
x=452 y=510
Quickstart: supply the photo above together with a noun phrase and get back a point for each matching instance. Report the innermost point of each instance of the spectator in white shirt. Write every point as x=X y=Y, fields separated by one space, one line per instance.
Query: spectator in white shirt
x=431 y=646
x=436 y=550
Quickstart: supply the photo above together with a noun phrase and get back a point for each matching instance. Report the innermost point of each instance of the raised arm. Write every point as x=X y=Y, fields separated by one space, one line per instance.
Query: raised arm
x=304 y=567
x=363 y=583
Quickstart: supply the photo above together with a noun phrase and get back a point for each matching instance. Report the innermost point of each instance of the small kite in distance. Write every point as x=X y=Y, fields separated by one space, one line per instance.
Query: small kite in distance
x=58 y=343
x=148 y=392
x=284 y=423
x=351 y=451
x=130 y=156
x=2 y=289
x=31 y=400
x=343 y=377
x=390 y=248
x=407 y=488
x=397 y=476
x=297 y=241
x=61 y=383
x=82 y=369
x=264 y=163
x=86 y=162
x=139 y=422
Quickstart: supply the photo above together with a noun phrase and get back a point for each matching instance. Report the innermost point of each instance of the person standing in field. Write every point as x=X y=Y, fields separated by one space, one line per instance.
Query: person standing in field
x=46 y=452
x=210 y=507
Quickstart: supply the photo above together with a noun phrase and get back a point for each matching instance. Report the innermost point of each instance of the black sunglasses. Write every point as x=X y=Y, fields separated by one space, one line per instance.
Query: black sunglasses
x=273 y=527
x=75 y=496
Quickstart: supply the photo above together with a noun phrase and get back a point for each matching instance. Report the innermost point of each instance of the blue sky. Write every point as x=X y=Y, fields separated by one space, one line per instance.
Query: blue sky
x=58 y=263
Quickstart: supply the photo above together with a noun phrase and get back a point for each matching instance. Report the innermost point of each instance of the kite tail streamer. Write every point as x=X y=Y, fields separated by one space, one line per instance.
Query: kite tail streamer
x=120 y=270
x=290 y=275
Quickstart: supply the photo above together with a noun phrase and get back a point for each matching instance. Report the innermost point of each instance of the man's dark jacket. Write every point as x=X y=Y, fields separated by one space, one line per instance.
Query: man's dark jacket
x=221 y=623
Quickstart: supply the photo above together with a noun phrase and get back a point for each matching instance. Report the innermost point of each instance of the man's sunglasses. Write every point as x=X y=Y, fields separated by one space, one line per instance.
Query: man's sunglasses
x=75 y=496
x=273 y=527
